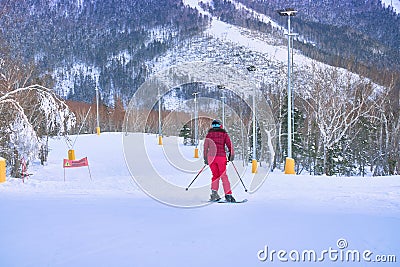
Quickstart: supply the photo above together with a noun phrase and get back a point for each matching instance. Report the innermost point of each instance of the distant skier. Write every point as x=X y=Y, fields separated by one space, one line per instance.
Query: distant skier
x=215 y=156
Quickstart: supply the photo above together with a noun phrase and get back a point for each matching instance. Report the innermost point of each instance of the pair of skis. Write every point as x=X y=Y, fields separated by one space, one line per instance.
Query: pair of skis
x=221 y=200
x=224 y=201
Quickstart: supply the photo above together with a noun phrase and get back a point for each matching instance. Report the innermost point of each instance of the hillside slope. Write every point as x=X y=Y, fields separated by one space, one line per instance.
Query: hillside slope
x=115 y=46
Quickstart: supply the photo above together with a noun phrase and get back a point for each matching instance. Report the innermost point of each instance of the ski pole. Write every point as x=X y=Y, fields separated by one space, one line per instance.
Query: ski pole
x=245 y=189
x=187 y=188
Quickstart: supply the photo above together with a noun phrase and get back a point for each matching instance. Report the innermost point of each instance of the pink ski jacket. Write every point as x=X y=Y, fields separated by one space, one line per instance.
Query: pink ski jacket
x=216 y=141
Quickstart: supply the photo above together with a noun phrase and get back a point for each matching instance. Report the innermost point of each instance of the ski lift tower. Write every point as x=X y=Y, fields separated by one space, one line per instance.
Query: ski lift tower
x=159 y=120
x=196 y=130
x=97 y=111
x=222 y=88
x=289 y=164
x=252 y=69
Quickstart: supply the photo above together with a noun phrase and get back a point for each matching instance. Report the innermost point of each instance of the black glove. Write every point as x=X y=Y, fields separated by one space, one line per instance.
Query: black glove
x=231 y=157
x=206 y=161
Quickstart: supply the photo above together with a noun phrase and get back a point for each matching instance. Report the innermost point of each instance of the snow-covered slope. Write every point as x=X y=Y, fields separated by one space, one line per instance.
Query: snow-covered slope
x=393 y=3
x=239 y=48
x=108 y=221
x=237 y=36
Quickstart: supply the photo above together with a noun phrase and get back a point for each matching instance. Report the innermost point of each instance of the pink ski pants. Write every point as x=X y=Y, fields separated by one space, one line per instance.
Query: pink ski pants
x=218 y=169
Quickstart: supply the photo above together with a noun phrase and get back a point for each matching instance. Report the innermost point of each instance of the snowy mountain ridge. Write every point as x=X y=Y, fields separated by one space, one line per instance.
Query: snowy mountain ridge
x=220 y=43
x=74 y=50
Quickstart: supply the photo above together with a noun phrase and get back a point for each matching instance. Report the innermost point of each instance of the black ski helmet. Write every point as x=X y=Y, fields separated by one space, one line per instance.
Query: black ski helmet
x=216 y=124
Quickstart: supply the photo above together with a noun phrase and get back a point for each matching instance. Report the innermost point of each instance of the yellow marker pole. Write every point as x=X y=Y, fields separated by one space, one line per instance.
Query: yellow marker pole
x=196 y=153
x=160 y=140
x=2 y=170
x=98 y=130
x=254 y=166
x=71 y=154
x=289 y=166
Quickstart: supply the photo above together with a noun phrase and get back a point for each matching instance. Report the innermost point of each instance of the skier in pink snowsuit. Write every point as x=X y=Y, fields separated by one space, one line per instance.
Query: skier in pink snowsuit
x=215 y=156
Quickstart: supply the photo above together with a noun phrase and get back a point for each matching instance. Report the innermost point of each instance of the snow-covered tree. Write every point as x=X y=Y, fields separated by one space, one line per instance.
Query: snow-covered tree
x=337 y=102
x=387 y=158
x=28 y=116
x=185 y=133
